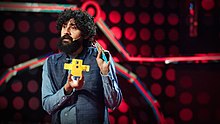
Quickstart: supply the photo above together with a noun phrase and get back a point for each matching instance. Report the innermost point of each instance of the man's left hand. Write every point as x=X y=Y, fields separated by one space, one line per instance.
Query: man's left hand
x=104 y=67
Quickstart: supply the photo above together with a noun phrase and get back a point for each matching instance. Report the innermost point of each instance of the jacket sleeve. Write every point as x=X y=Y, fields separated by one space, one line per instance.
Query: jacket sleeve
x=112 y=92
x=52 y=100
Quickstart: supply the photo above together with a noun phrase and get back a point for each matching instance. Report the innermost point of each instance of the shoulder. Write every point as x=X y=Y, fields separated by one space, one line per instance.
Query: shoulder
x=55 y=57
x=94 y=50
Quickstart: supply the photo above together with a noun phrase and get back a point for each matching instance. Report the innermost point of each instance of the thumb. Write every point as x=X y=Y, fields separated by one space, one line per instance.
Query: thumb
x=69 y=77
x=81 y=77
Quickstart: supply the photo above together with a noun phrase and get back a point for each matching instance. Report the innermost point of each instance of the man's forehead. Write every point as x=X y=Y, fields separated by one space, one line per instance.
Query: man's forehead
x=71 y=21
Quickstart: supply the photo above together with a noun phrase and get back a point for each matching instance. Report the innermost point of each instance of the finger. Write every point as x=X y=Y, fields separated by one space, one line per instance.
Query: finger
x=81 y=77
x=108 y=63
x=76 y=81
x=99 y=54
x=69 y=77
x=72 y=78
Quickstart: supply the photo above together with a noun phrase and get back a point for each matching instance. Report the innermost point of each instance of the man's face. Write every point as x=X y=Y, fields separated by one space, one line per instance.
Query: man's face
x=71 y=39
x=69 y=28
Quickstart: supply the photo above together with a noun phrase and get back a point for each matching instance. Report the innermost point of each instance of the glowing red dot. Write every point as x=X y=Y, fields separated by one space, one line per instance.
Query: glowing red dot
x=34 y=103
x=173 y=19
x=24 y=43
x=16 y=86
x=9 y=42
x=203 y=98
x=171 y=74
x=170 y=91
x=111 y=119
x=39 y=43
x=158 y=18
x=144 y=18
x=159 y=50
x=117 y=32
x=103 y=15
x=186 y=114
x=185 y=98
x=129 y=17
x=173 y=50
x=173 y=35
x=131 y=49
x=156 y=73
x=170 y=121
x=3 y=102
x=116 y=59
x=130 y=33
x=110 y=111
x=159 y=34
x=114 y=16
x=123 y=107
x=32 y=86
x=52 y=27
x=208 y=4
x=145 y=34
x=9 y=25
x=23 y=26
x=134 y=121
x=91 y=11
x=186 y=81
x=123 y=119
x=53 y=43
x=145 y=50
x=156 y=89
x=102 y=43
x=18 y=103
x=141 y=71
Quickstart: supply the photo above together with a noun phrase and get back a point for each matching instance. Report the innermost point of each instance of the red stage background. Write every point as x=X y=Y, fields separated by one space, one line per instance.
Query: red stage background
x=187 y=91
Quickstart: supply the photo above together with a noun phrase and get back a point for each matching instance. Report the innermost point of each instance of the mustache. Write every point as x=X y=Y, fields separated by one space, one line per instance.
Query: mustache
x=71 y=47
x=66 y=36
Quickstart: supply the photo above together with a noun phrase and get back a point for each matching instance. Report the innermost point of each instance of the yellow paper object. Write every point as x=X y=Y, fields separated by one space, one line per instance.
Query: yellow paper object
x=76 y=67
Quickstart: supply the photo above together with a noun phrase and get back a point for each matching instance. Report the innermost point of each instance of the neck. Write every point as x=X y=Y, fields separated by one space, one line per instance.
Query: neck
x=77 y=52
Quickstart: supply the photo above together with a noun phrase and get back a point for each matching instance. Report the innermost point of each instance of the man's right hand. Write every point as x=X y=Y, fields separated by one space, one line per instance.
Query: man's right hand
x=73 y=83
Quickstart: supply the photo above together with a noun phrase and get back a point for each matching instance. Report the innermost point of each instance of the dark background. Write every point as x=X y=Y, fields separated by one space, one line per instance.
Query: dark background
x=188 y=92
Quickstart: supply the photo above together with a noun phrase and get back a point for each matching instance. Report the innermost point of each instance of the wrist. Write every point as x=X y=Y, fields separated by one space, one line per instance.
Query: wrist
x=104 y=73
x=67 y=89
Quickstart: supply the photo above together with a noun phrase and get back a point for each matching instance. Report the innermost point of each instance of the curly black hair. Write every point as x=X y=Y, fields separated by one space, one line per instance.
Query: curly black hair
x=84 y=22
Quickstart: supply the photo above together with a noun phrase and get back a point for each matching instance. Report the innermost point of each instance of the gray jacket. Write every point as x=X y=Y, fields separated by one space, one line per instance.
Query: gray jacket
x=88 y=105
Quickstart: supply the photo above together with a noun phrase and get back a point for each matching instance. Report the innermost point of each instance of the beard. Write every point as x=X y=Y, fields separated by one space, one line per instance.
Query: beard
x=69 y=48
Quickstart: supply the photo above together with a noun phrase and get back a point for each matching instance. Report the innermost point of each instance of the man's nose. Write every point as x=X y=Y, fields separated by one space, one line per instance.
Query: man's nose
x=67 y=31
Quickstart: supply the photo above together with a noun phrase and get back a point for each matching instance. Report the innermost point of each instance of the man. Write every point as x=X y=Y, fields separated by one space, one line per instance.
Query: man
x=83 y=100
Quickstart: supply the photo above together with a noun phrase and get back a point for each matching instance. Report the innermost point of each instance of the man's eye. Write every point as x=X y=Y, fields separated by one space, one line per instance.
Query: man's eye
x=74 y=27
x=64 y=26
